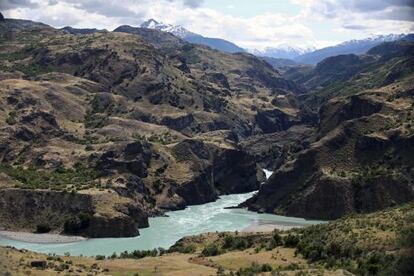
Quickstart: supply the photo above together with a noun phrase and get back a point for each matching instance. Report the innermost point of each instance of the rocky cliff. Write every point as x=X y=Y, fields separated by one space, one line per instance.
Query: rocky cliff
x=361 y=162
x=94 y=215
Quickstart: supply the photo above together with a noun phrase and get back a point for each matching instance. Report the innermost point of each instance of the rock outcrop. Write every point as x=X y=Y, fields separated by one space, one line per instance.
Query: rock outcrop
x=274 y=120
x=126 y=158
x=90 y=215
x=215 y=171
x=359 y=164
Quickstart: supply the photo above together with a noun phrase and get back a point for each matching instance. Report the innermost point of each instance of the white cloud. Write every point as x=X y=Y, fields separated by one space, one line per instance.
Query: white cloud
x=351 y=18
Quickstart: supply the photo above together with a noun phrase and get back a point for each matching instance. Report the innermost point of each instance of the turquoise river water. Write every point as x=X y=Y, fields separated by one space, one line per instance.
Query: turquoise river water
x=165 y=231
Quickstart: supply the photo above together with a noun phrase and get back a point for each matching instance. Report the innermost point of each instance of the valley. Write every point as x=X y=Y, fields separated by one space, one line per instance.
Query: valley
x=156 y=151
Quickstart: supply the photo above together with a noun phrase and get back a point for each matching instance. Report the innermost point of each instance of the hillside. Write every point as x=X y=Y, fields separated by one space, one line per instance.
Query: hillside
x=361 y=158
x=102 y=130
x=126 y=125
x=345 y=75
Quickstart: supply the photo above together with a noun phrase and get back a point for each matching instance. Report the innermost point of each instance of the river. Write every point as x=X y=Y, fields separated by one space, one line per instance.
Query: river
x=165 y=231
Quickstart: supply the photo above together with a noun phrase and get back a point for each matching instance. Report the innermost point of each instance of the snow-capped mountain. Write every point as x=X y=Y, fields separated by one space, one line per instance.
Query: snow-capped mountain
x=374 y=39
x=176 y=30
x=283 y=51
x=354 y=46
x=180 y=31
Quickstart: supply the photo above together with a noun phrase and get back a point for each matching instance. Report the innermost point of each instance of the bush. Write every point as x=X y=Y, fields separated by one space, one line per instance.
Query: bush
x=373 y=264
x=183 y=248
x=191 y=248
x=11 y=118
x=211 y=250
x=266 y=268
x=139 y=254
x=237 y=243
x=291 y=240
x=33 y=178
x=275 y=241
x=254 y=269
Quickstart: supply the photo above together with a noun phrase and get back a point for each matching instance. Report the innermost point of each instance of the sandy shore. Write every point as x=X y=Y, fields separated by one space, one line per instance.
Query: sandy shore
x=268 y=227
x=39 y=238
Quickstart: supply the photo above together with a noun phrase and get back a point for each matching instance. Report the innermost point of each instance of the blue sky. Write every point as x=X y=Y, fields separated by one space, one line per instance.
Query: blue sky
x=250 y=24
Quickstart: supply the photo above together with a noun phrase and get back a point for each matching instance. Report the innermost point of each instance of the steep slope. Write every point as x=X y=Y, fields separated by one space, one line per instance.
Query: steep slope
x=145 y=120
x=362 y=159
x=279 y=63
x=348 y=74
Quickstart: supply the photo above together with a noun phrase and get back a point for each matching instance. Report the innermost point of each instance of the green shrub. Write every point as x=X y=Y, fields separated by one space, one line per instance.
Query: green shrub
x=237 y=243
x=275 y=241
x=139 y=254
x=186 y=249
x=254 y=269
x=291 y=240
x=211 y=250
x=373 y=264
x=11 y=118
x=33 y=178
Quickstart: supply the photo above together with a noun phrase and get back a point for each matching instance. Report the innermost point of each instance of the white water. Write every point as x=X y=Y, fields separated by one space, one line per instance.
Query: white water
x=267 y=173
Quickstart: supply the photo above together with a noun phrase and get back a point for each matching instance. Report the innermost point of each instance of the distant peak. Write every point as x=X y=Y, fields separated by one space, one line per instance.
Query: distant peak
x=1 y=17
x=374 y=39
x=150 y=24
x=174 y=29
x=287 y=51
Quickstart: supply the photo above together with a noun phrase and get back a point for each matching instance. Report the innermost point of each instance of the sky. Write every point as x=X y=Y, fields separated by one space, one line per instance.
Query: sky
x=254 y=24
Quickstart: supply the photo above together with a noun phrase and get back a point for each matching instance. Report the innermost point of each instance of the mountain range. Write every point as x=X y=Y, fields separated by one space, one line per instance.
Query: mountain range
x=177 y=30
x=283 y=52
x=350 y=47
x=279 y=56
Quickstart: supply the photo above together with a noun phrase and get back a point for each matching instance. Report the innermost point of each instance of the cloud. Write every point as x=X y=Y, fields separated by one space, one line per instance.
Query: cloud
x=398 y=10
x=12 y=4
x=343 y=19
x=369 y=5
x=355 y=27
x=193 y=3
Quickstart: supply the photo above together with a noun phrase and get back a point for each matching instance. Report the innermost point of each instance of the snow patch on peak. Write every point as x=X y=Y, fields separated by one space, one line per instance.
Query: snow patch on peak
x=150 y=24
x=174 y=29
x=283 y=51
x=374 y=38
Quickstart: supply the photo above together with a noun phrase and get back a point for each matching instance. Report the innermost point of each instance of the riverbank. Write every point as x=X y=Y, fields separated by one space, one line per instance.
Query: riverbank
x=268 y=226
x=194 y=220
x=39 y=238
